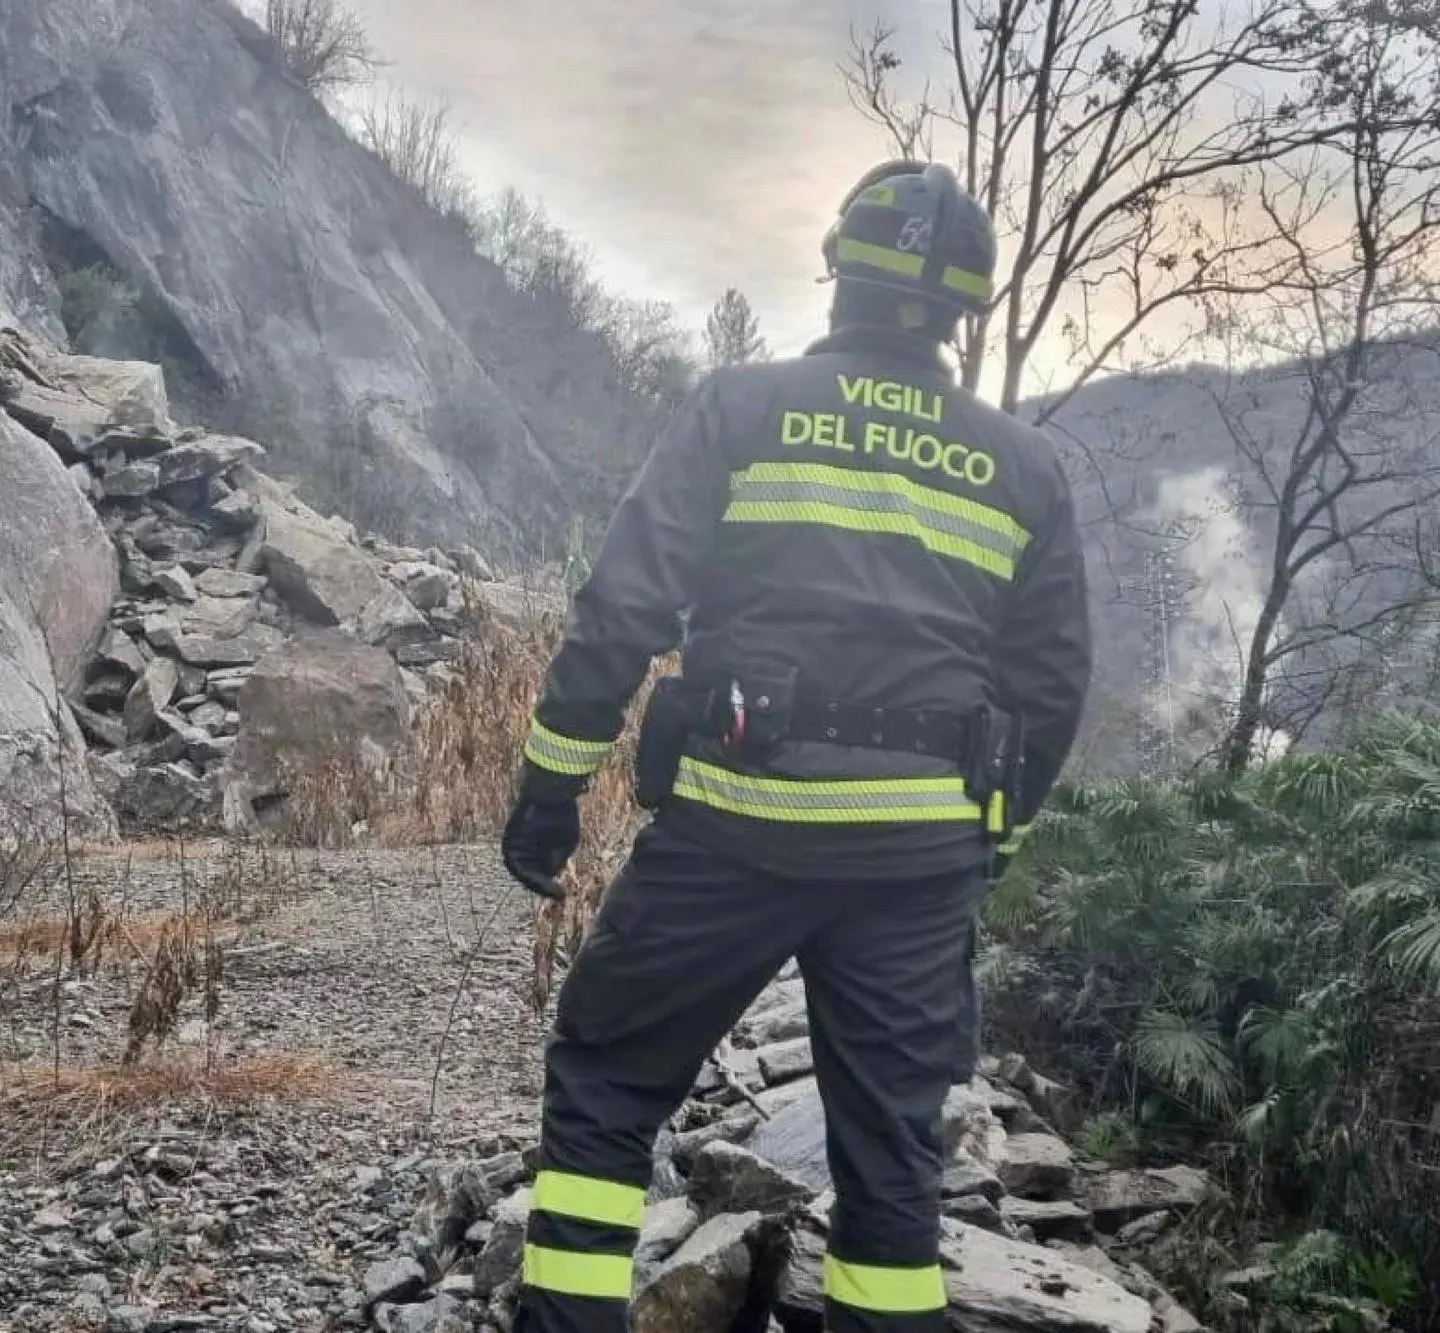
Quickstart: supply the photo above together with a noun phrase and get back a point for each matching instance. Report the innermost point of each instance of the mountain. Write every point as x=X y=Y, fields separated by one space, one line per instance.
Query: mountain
x=166 y=184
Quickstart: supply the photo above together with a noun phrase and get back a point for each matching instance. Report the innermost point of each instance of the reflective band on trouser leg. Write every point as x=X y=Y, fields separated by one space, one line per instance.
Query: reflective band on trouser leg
x=852 y=801
x=889 y=1291
x=948 y=525
x=579 y=1244
x=569 y=1273
x=564 y=754
x=589 y=1199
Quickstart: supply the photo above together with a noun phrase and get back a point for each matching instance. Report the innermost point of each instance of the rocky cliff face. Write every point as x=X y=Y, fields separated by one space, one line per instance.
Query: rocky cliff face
x=287 y=271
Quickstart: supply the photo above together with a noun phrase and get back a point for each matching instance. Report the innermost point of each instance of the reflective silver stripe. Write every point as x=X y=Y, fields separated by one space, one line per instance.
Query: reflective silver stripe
x=875 y=502
x=564 y=754
x=850 y=801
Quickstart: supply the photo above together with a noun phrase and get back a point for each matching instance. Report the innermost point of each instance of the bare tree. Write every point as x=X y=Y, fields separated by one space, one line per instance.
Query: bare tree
x=324 y=43
x=732 y=331
x=416 y=142
x=1105 y=140
x=539 y=258
x=1345 y=475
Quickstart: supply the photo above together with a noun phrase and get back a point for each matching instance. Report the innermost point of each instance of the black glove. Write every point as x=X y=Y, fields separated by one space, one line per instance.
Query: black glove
x=539 y=838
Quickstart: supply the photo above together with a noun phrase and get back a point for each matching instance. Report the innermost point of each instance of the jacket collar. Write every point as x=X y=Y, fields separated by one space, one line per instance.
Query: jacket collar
x=890 y=343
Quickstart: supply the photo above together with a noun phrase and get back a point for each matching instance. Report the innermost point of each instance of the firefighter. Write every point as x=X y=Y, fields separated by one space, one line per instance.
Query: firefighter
x=884 y=669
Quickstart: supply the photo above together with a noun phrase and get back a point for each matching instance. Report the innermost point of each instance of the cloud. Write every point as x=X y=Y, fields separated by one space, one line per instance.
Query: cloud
x=692 y=145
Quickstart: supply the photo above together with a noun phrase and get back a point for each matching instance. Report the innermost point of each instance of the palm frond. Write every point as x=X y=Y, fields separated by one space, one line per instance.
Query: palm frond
x=1188 y=1059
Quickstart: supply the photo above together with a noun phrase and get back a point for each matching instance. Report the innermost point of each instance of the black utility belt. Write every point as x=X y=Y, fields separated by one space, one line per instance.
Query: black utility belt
x=751 y=715
x=735 y=716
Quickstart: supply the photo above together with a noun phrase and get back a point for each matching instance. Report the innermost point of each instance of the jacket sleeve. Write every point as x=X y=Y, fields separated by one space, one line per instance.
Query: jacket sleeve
x=627 y=611
x=1043 y=655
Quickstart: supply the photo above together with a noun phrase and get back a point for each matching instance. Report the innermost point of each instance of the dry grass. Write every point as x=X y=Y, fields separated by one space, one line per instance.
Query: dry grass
x=37 y=939
x=62 y=1114
x=86 y=1091
x=455 y=781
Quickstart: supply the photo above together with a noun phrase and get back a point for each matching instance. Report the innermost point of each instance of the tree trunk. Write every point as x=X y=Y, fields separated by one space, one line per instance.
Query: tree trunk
x=1239 y=744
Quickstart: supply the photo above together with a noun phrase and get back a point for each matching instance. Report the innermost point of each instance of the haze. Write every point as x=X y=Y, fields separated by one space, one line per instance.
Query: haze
x=692 y=144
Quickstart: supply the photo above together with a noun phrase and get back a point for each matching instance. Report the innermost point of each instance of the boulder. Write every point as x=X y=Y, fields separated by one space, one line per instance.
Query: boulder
x=1038 y=1166
x=58 y=578
x=997 y=1285
x=331 y=582
x=728 y=1179
x=56 y=560
x=197 y=460
x=322 y=695
x=1118 y=1197
x=702 y=1286
x=149 y=696
x=75 y=402
x=785 y=1060
x=778 y=1014
x=500 y=1260
x=162 y=797
x=667 y=1226
x=794 y=1141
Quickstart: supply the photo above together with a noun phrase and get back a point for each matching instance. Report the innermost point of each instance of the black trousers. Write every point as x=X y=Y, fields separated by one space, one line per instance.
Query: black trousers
x=682 y=945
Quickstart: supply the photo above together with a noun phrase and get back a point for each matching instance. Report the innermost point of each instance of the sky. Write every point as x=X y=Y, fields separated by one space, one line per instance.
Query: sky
x=692 y=145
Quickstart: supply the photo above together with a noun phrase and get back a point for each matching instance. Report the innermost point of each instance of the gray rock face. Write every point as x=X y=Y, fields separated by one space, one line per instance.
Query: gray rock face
x=57 y=580
x=309 y=277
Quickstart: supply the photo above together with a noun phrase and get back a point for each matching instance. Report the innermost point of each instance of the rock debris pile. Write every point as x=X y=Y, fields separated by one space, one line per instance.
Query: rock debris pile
x=245 y=621
x=735 y=1229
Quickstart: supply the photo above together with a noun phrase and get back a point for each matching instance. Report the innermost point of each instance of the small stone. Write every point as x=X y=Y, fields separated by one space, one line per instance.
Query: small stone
x=394 y=1280
x=786 y=1060
x=229 y=583
x=1060 y=1219
x=132 y=480
x=176 y=583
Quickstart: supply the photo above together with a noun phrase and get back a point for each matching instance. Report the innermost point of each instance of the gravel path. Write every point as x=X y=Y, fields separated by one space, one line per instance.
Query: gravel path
x=200 y=1211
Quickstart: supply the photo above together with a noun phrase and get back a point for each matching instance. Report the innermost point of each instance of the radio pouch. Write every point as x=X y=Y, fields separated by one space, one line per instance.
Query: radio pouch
x=669 y=718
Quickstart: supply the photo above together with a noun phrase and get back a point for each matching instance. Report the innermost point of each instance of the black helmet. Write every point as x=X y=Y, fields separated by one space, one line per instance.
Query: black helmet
x=909 y=227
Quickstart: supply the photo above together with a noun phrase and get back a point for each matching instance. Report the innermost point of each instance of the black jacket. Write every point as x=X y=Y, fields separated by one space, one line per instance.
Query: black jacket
x=853 y=514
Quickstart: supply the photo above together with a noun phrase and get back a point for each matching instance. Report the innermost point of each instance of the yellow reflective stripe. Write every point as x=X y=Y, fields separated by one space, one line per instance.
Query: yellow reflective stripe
x=589 y=1199
x=851 y=251
x=912 y=266
x=851 y=801
x=995 y=815
x=880 y=483
x=852 y=520
x=564 y=754
x=972 y=284
x=885 y=1290
x=1017 y=836
x=607 y=1276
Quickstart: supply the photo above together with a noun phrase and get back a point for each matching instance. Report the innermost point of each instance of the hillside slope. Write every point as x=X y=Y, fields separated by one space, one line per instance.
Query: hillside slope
x=295 y=289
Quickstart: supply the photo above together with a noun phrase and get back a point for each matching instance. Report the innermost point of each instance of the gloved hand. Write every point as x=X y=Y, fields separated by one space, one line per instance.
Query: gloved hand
x=539 y=838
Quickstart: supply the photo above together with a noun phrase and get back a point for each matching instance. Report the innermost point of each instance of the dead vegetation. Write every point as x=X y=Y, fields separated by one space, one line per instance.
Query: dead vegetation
x=455 y=782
